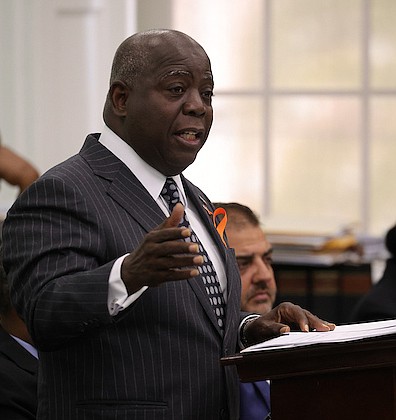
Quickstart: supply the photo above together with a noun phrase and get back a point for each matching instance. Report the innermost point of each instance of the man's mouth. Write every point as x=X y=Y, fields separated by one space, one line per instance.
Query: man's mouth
x=262 y=295
x=189 y=135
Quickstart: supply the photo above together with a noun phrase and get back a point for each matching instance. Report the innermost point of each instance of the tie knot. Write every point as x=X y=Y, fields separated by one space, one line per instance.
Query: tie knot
x=170 y=193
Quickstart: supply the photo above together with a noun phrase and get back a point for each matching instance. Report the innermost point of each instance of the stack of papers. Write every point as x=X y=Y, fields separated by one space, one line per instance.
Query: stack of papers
x=321 y=250
x=342 y=333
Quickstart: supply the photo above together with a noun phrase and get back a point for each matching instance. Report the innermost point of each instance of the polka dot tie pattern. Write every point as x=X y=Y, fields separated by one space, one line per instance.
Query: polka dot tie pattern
x=206 y=270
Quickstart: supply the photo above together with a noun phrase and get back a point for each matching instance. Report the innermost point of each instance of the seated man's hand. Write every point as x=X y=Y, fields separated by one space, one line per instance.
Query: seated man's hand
x=280 y=320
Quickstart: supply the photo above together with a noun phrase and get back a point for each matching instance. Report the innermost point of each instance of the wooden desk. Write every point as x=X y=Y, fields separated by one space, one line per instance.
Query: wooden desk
x=343 y=381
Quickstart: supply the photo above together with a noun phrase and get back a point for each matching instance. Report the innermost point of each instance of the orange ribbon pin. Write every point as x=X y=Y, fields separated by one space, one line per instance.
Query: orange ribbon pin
x=221 y=225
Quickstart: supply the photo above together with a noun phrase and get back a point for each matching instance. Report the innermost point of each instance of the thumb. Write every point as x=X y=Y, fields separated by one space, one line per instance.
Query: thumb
x=175 y=217
x=283 y=329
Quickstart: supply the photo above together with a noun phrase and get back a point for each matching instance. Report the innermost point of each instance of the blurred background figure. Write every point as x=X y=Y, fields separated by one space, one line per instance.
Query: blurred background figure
x=380 y=302
x=16 y=170
x=254 y=257
x=18 y=359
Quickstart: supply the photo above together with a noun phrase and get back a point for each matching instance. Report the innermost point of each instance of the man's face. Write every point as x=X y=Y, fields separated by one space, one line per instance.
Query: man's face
x=253 y=253
x=169 y=111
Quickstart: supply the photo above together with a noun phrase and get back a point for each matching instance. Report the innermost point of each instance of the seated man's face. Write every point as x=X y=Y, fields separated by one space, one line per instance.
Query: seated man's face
x=254 y=257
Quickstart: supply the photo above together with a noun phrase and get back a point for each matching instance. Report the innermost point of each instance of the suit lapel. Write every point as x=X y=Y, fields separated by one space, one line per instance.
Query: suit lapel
x=199 y=201
x=127 y=190
x=202 y=203
x=263 y=389
x=123 y=186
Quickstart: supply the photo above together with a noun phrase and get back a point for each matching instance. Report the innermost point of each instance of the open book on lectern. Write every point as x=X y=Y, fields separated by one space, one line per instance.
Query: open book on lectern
x=342 y=333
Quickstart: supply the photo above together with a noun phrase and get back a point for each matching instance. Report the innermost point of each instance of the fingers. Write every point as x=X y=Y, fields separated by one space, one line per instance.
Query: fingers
x=180 y=261
x=318 y=324
x=163 y=255
x=280 y=320
x=290 y=314
x=169 y=229
x=283 y=329
x=262 y=329
x=331 y=325
x=312 y=322
x=143 y=267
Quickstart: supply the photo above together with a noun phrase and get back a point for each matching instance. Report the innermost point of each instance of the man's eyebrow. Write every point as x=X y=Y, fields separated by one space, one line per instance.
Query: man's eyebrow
x=250 y=256
x=270 y=251
x=244 y=257
x=173 y=73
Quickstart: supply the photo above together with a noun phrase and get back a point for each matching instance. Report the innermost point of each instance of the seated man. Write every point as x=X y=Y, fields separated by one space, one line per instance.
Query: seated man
x=15 y=170
x=18 y=360
x=253 y=254
x=380 y=302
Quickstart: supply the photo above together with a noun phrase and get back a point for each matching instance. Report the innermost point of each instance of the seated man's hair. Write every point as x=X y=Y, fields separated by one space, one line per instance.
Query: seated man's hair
x=236 y=209
x=390 y=240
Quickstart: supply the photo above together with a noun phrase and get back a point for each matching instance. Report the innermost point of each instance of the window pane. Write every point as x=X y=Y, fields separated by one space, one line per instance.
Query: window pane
x=230 y=165
x=316 y=44
x=232 y=35
x=383 y=44
x=382 y=164
x=315 y=161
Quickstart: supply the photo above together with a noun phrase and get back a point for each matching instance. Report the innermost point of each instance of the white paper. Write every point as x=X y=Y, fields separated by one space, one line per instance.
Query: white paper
x=341 y=333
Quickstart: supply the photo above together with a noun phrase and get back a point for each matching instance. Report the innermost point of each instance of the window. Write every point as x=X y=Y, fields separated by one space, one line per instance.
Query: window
x=305 y=92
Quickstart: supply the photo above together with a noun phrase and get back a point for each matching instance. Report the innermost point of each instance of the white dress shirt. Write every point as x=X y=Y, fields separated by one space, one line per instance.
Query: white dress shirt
x=153 y=181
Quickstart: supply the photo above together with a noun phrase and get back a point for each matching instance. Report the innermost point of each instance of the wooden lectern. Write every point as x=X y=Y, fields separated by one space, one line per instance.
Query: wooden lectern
x=342 y=381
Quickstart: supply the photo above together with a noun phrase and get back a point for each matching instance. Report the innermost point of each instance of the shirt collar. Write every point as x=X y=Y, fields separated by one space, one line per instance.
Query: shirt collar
x=27 y=346
x=151 y=179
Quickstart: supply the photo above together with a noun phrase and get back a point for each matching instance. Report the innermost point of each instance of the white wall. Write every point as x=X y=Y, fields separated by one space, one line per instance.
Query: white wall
x=55 y=60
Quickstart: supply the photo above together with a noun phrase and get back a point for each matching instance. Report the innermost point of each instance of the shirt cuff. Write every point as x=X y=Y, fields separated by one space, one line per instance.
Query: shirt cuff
x=242 y=325
x=118 y=299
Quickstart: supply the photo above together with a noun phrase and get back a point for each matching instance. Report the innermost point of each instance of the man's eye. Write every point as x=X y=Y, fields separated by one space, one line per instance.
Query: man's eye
x=268 y=260
x=176 y=89
x=208 y=94
x=243 y=263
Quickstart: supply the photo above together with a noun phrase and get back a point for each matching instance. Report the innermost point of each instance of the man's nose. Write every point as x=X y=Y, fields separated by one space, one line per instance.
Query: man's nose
x=194 y=104
x=262 y=270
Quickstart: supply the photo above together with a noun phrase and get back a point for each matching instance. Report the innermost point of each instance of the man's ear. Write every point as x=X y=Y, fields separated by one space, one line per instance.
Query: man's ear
x=119 y=93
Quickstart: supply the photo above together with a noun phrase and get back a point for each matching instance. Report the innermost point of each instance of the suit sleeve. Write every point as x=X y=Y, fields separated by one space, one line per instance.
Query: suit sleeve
x=56 y=260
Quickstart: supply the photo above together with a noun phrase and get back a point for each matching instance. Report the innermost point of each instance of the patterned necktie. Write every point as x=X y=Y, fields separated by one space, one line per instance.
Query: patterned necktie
x=206 y=270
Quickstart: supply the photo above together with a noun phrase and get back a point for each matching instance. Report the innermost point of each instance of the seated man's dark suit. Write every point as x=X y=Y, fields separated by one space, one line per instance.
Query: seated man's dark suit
x=380 y=302
x=255 y=400
x=18 y=380
x=158 y=359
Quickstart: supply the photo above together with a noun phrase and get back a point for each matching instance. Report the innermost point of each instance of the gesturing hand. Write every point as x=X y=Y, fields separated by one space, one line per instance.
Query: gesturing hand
x=162 y=256
x=280 y=319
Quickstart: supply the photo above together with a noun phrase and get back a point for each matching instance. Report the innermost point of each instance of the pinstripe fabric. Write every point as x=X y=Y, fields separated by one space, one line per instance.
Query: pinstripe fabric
x=158 y=359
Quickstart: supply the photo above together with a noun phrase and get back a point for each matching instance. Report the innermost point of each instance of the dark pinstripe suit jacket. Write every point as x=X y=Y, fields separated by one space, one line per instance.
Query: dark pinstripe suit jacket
x=158 y=359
